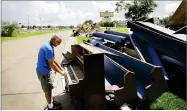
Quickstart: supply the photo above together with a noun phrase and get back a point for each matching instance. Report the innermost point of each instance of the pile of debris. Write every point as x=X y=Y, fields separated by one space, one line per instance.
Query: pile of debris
x=85 y=28
x=119 y=68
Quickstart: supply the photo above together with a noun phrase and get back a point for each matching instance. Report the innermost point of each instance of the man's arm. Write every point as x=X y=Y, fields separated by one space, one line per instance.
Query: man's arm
x=55 y=67
x=58 y=65
x=50 y=58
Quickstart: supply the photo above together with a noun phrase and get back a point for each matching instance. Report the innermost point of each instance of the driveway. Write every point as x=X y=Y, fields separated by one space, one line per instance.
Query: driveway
x=21 y=88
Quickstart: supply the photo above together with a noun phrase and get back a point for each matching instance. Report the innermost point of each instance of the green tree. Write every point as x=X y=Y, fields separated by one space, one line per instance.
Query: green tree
x=10 y=29
x=34 y=26
x=22 y=26
x=49 y=26
x=138 y=8
x=61 y=27
x=165 y=20
x=106 y=24
x=71 y=26
x=29 y=27
x=101 y=24
x=38 y=26
x=115 y=22
x=5 y=23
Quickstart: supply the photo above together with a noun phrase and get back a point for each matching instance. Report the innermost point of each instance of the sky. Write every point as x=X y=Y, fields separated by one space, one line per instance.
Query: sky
x=67 y=13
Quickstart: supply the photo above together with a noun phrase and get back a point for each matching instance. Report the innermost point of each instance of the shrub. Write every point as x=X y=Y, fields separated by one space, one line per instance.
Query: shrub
x=10 y=29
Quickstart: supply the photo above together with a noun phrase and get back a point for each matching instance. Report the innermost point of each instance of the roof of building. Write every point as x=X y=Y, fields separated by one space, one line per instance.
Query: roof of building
x=179 y=17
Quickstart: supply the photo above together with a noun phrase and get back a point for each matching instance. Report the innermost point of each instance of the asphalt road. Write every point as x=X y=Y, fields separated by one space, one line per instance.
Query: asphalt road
x=21 y=88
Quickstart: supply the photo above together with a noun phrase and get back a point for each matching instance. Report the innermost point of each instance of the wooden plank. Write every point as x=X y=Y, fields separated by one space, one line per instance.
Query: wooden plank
x=93 y=49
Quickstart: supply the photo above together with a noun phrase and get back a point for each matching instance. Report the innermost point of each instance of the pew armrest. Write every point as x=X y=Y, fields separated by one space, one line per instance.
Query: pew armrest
x=158 y=86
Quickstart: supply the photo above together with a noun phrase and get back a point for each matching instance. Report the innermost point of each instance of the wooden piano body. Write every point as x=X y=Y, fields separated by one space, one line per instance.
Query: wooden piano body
x=91 y=64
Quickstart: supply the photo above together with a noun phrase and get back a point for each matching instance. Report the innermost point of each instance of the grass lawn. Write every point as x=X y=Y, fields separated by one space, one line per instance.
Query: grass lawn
x=30 y=34
x=120 y=29
x=117 y=29
x=168 y=101
x=103 y=29
x=81 y=38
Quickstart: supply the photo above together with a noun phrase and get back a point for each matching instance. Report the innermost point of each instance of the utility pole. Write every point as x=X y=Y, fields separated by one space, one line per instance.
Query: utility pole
x=41 y=23
x=28 y=24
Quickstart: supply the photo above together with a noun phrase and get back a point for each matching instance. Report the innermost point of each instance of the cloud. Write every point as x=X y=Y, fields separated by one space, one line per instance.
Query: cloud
x=165 y=8
x=171 y=7
x=103 y=6
x=68 y=13
x=53 y=13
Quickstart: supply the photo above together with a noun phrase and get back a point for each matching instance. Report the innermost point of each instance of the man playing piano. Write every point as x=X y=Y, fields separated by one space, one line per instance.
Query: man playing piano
x=45 y=63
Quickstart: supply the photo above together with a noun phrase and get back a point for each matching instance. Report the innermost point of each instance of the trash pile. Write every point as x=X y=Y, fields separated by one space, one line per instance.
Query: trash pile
x=85 y=28
x=120 y=68
x=152 y=52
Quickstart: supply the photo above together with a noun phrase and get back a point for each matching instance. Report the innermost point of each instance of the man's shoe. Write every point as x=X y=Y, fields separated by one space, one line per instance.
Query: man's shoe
x=54 y=107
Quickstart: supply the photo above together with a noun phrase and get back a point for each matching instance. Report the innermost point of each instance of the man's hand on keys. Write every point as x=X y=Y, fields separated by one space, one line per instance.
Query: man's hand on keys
x=63 y=73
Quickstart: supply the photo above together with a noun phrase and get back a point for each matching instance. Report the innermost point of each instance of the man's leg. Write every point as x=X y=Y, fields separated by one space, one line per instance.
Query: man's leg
x=47 y=88
x=48 y=91
x=48 y=96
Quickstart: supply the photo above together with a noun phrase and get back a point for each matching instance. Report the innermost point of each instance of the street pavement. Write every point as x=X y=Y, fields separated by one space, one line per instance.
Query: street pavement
x=21 y=89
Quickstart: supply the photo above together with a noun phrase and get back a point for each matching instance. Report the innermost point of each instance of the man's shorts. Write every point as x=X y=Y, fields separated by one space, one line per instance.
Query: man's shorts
x=46 y=82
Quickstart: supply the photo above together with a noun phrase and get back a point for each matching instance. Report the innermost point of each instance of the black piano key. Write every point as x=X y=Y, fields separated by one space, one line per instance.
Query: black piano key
x=71 y=74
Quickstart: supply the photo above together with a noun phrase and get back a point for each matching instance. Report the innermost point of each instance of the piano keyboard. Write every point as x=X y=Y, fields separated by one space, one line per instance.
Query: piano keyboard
x=70 y=74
